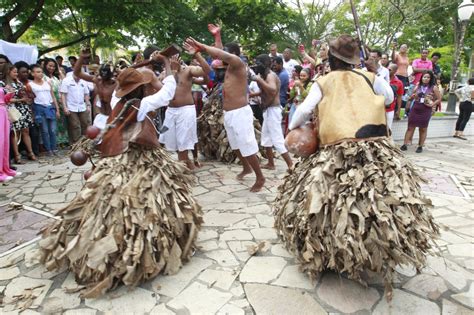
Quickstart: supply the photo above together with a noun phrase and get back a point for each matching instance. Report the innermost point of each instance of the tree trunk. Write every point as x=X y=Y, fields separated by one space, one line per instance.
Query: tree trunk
x=459 y=33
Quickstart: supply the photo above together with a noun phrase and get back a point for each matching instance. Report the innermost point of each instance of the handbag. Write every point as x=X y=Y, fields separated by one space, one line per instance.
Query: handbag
x=13 y=114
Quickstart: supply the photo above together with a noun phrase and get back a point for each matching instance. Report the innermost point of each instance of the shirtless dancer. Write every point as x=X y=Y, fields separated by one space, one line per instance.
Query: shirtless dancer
x=238 y=116
x=272 y=134
x=180 y=116
x=105 y=85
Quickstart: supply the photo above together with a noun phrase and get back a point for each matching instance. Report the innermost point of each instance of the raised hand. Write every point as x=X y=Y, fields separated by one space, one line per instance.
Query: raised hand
x=86 y=52
x=214 y=29
x=191 y=50
x=195 y=44
x=175 y=62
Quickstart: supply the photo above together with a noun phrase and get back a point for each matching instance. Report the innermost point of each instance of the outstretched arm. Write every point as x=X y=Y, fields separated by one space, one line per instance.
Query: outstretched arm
x=205 y=68
x=164 y=96
x=215 y=30
x=78 y=68
x=215 y=53
x=304 y=111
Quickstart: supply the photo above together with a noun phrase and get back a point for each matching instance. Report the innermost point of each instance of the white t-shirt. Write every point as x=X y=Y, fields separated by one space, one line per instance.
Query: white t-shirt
x=253 y=88
x=42 y=93
x=289 y=65
x=75 y=92
x=383 y=73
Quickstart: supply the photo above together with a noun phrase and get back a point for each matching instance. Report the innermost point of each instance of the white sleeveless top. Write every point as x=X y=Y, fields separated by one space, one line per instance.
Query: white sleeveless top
x=42 y=93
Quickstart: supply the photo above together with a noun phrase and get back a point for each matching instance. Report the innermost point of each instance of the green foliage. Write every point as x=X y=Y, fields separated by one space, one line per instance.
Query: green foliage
x=253 y=23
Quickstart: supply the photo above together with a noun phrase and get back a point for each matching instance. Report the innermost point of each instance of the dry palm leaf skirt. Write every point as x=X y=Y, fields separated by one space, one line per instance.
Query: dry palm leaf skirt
x=355 y=207
x=213 y=142
x=134 y=218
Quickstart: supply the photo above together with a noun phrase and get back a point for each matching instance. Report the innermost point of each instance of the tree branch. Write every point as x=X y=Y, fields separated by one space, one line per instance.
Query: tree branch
x=33 y=16
x=78 y=40
x=14 y=12
x=76 y=21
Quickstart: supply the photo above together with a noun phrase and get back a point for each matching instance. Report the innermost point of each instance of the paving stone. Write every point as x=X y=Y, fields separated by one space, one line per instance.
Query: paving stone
x=41 y=272
x=236 y=235
x=199 y=190
x=206 y=234
x=199 y=299
x=135 y=300
x=268 y=299
x=466 y=250
x=230 y=309
x=218 y=278
x=223 y=257
x=466 y=298
x=264 y=234
x=237 y=291
x=172 y=285
x=404 y=303
x=242 y=303
x=32 y=257
x=214 y=218
x=214 y=196
x=207 y=246
x=455 y=221
x=450 y=308
x=280 y=250
x=265 y=220
x=449 y=271
x=80 y=311
x=18 y=285
x=231 y=188
x=262 y=269
x=240 y=249
x=50 y=198
x=406 y=270
x=427 y=286
x=244 y=224
x=161 y=309
x=292 y=277
x=9 y=273
x=223 y=206
x=70 y=283
x=346 y=295
x=262 y=208
x=59 y=300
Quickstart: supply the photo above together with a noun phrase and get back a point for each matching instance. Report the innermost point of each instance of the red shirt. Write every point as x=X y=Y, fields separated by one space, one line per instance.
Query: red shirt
x=400 y=90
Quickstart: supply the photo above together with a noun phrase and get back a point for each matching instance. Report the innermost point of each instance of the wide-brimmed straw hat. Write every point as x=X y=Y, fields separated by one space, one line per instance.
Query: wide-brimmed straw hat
x=129 y=79
x=346 y=48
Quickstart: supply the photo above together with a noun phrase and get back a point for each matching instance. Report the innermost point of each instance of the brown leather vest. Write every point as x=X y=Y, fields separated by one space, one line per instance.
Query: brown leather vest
x=349 y=109
x=128 y=130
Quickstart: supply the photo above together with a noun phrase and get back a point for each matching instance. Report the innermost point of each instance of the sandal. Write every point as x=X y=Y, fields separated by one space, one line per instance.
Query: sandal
x=31 y=156
x=18 y=160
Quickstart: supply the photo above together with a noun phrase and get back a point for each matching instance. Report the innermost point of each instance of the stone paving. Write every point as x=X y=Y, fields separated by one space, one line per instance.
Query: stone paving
x=241 y=267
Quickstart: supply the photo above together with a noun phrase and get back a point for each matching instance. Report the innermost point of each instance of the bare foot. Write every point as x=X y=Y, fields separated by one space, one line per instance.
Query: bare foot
x=258 y=185
x=197 y=164
x=268 y=166
x=189 y=164
x=243 y=173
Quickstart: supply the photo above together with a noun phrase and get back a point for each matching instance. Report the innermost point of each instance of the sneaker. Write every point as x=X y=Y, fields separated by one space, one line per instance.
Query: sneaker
x=419 y=150
x=18 y=173
x=404 y=147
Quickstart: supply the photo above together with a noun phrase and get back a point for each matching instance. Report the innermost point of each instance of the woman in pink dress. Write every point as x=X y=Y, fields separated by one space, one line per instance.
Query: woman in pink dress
x=6 y=173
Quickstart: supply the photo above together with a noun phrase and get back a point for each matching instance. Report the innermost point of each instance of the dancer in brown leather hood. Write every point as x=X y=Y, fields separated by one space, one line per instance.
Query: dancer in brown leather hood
x=135 y=217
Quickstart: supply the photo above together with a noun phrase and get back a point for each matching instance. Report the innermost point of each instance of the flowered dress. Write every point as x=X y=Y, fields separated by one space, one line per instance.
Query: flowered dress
x=26 y=119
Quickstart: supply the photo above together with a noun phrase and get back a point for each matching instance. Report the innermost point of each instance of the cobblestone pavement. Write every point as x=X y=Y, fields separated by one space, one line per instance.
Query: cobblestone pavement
x=223 y=277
